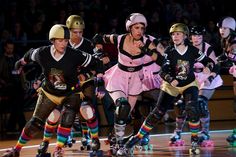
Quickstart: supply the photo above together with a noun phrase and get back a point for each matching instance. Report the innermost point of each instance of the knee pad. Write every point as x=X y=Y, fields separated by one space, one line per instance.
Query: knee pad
x=179 y=108
x=68 y=117
x=192 y=110
x=154 y=117
x=54 y=116
x=203 y=106
x=34 y=126
x=122 y=111
x=86 y=110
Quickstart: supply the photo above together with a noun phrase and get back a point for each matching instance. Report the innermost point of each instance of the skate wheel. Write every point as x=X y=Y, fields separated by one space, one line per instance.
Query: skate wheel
x=82 y=148
x=194 y=151
x=208 y=143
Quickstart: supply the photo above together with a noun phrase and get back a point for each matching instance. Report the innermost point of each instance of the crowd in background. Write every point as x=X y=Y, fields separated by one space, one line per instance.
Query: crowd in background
x=27 y=21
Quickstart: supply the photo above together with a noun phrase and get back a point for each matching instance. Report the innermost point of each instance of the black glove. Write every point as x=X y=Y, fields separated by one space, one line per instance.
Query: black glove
x=99 y=86
x=97 y=39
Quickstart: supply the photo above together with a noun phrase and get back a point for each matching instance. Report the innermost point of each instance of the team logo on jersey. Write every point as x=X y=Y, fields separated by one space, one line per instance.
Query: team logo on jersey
x=182 y=69
x=56 y=77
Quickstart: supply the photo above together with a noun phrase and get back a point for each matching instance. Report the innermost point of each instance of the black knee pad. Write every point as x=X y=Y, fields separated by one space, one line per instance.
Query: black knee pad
x=203 y=106
x=33 y=126
x=122 y=111
x=179 y=108
x=154 y=117
x=68 y=117
x=192 y=110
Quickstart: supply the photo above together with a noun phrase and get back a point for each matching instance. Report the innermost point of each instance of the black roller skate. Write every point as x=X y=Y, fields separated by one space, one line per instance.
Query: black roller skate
x=194 y=150
x=144 y=143
x=58 y=152
x=70 y=141
x=11 y=153
x=128 y=148
x=231 y=139
x=205 y=141
x=42 y=150
x=85 y=141
x=95 y=146
x=175 y=139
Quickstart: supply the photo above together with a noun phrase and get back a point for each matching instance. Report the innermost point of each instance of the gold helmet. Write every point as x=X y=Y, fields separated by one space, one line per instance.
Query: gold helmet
x=59 y=31
x=179 y=27
x=75 y=22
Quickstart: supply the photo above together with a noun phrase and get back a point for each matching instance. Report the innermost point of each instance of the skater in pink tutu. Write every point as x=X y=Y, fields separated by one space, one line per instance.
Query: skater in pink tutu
x=124 y=81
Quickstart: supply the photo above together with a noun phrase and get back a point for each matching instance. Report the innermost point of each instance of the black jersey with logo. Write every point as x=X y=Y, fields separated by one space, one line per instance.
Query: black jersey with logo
x=61 y=76
x=181 y=65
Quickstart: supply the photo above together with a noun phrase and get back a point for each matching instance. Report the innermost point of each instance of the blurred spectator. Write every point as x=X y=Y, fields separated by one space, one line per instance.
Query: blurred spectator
x=11 y=86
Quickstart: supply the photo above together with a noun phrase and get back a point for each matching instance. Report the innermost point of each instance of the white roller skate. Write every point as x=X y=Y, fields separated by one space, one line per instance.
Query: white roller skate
x=175 y=139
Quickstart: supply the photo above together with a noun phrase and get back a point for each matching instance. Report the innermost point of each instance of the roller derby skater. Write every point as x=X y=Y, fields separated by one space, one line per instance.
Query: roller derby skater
x=178 y=77
x=56 y=90
x=123 y=79
x=227 y=31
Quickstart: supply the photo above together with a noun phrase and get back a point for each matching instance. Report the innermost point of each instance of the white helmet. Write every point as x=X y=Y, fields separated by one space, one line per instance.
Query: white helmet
x=227 y=22
x=135 y=18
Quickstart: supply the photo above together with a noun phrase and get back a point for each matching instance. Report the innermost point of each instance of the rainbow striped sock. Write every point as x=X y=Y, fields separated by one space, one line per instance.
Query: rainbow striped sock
x=145 y=128
x=23 y=139
x=49 y=129
x=194 y=128
x=62 y=135
x=93 y=127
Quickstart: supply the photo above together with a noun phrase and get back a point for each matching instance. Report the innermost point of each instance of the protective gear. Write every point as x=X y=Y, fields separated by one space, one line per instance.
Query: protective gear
x=34 y=126
x=70 y=114
x=70 y=109
x=179 y=27
x=122 y=111
x=75 y=22
x=97 y=39
x=192 y=111
x=135 y=18
x=86 y=110
x=203 y=106
x=198 y=30
x=154 y=117
x=59 y=31
x=228 y=22
x=180 y=108
x=54 y=116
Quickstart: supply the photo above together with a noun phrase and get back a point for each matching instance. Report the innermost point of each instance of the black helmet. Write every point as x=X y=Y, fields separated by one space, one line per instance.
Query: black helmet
x=198 y=30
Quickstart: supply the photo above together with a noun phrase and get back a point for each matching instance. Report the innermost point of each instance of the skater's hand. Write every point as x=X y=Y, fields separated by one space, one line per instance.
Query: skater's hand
x=174 y=83
x=100 y=89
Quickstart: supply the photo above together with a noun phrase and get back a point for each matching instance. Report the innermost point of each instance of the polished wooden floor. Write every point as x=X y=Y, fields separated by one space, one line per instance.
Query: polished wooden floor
x=220 y=130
